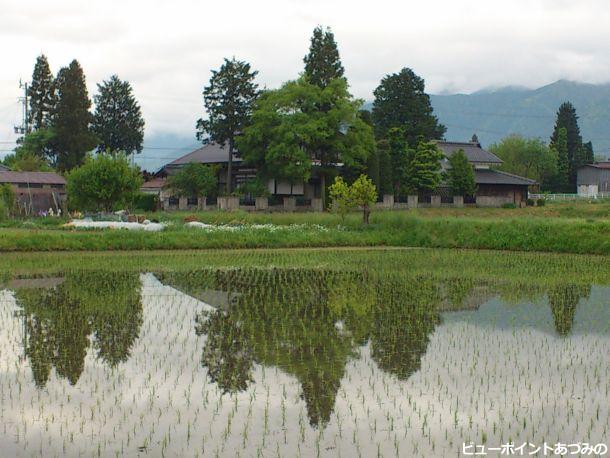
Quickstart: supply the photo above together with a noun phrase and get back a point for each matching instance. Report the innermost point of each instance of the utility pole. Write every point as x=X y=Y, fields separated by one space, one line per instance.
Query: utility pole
x=24 y=128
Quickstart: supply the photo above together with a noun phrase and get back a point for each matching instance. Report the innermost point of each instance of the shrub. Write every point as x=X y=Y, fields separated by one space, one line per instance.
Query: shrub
x=509 y=206
x=530 y=202
x=146 y=202
x=193 y=180
x=7 y=201
x=541 y=202
x=103 y=182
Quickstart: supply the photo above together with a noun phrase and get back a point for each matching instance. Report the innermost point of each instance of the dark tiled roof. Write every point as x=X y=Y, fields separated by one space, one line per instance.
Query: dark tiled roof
x=473 y=151
x=212 y=153
x=31 y=177
x=490 y=176
x=155 y=183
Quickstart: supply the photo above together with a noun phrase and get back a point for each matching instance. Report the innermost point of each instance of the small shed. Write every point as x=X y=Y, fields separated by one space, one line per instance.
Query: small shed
x=593 y=180
x=36 y=192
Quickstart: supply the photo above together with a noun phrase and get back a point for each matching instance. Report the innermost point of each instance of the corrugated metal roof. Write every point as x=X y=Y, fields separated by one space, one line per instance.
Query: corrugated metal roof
x=3 y=168
x=31 y=177
x=212 y=153
x=490 y=176
x=473 y=152
x=599 y=165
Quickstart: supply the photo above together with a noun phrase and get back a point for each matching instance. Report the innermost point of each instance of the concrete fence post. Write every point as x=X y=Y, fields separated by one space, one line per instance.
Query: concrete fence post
x=182 y=203
x=290 y=203
x=261 y=203
x=458 y=201
x=317 y=205
x=412 y=201
x=388 y=201
x=435 y=201
x=202 y=203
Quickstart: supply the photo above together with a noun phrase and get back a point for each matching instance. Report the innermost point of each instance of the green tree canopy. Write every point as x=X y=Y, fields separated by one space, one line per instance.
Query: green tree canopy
x=193 y=180
x=32 y=151
x=117 y=121
x=527 y=157
x=228 y=100
x=104 y=182
x=322 y=63
x=364 y=195
x=401 y=101
x=289 y=131
x=42 y=94
x=461 y=175
x=71 y=119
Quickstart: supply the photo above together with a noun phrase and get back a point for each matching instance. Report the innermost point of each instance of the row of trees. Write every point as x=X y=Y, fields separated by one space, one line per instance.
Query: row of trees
x=62 y=129
x=553 y=166
x=314 y=121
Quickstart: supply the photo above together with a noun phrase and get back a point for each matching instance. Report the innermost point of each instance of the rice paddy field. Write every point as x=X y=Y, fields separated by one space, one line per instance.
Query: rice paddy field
x=304 y=352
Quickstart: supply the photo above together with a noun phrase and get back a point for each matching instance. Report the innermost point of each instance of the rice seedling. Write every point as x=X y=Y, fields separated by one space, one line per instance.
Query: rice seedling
x=343 y=353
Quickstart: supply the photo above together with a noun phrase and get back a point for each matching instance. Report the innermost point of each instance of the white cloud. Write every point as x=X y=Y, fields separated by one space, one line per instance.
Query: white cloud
x=167 y=49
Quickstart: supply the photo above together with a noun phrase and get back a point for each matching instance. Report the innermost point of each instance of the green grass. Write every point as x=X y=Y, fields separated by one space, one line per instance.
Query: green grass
x=573 y=227
x=387 y=229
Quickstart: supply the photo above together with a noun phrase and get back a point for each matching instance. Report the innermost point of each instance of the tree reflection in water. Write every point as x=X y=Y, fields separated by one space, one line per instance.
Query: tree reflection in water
x=563 y=301
x=309 y=323
x=60 y=320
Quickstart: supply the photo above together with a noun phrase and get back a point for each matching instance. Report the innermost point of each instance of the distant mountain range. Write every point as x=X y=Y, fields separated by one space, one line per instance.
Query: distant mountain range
x=491 y=114
x=495 y=113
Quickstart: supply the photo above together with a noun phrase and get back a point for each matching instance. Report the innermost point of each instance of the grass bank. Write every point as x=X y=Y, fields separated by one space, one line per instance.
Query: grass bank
x=403 y=229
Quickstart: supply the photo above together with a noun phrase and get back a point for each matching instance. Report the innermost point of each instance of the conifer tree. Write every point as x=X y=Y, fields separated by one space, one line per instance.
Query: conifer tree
x=229 y=100
x=568 y=120
x=42 y=94
x=322 y=64
x=425 y=167
x=461 y=175
x=561 y=182
x=71 y=119
x=401 y=102
x=117 y=121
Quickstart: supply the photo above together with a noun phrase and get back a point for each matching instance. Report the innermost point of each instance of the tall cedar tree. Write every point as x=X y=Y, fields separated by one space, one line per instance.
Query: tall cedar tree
x=567 y=119
x=71 y=119
x=288 y=132
x=322 y=64
x=561 y=182
x=42 y=94
x=400 y=101
x=229 y=101
x=117 y=121
x=461 y=175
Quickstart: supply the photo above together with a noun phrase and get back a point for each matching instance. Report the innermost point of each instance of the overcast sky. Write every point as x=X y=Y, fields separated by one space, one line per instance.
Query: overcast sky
x=166 y=49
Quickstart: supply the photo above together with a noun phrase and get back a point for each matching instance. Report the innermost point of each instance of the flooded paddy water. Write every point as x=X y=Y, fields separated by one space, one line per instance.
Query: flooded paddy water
x=298 y=362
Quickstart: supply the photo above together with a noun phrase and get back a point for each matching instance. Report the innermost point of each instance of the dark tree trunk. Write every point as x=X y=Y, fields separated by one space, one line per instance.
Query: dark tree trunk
x=366 y=212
